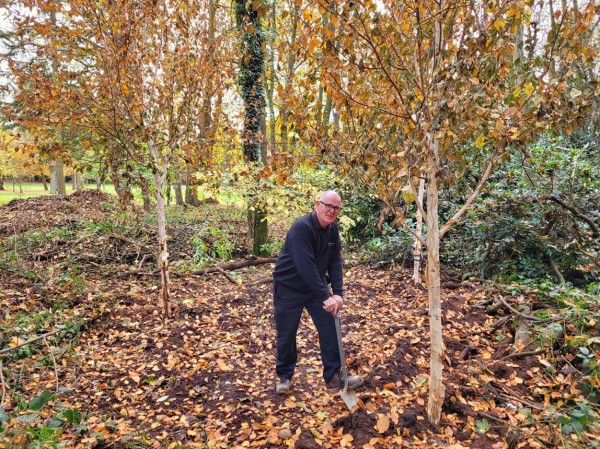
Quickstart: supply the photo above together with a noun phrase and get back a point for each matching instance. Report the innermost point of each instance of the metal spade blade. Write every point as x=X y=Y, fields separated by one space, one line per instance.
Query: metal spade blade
x=348 y=396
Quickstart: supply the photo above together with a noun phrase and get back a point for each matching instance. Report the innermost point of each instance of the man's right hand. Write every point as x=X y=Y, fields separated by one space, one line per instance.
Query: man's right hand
x=333 y=305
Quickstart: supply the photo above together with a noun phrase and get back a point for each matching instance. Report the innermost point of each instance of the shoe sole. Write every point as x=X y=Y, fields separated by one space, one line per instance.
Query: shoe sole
x=338 y=389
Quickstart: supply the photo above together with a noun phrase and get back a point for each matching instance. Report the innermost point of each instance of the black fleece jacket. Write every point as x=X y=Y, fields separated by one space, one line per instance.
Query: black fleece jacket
x=308 y=254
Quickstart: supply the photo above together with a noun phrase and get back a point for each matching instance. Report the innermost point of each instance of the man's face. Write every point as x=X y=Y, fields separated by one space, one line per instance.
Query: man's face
x=328 y=207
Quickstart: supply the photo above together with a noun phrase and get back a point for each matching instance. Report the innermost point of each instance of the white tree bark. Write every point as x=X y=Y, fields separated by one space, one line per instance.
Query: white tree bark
x=418 y=246
x=163 y=256
x=437 y=390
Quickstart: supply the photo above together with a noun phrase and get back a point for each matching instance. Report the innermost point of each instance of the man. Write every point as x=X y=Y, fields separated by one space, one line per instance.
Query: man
x=312 y=250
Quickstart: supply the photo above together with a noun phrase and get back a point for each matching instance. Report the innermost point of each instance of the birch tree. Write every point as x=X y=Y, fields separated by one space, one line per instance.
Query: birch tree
x=132 y=73
x=427 y=88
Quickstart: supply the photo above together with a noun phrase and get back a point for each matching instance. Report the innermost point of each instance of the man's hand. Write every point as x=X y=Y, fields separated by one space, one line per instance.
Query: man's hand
x=334 y=304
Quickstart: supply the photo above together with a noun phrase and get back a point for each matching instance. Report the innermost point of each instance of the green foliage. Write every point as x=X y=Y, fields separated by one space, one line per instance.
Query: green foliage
x=530 y=217
x=103 y=227
x=222 y=247
x=38 y=402
x=272 y=248
x=393 y=245
x=73 y=279
x=588 y=359
x=41 y=422
x=283 y=202
x=578 y=419
x=364 y=209
x=368 y=234
x=482 y=426
x=568 y=326
x=200 y=256
x=219 y=247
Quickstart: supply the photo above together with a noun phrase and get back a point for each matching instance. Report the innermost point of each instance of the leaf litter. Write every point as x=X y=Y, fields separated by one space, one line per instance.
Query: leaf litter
x=205 y=377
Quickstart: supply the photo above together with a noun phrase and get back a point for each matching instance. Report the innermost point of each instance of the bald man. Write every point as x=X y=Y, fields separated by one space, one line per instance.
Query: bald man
x=310 y=258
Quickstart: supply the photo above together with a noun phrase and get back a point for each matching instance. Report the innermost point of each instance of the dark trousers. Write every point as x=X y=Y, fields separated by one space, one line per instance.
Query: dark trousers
x=288 y=311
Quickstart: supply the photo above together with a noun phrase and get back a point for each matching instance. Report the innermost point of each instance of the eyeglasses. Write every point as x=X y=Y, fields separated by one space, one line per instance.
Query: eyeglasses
x=329 y=207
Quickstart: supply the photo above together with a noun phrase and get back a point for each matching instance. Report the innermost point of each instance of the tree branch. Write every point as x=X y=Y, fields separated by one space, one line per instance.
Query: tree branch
x=452 y=221
x=574 y=211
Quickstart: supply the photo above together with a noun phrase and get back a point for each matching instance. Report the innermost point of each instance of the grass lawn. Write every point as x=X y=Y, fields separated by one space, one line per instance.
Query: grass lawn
x=30 y=190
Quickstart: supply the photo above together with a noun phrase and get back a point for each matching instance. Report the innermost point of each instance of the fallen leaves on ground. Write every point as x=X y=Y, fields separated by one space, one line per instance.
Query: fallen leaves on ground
x=206 y=377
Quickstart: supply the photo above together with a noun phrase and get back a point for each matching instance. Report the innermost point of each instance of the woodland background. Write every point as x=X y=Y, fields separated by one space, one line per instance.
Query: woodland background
x=463 y=138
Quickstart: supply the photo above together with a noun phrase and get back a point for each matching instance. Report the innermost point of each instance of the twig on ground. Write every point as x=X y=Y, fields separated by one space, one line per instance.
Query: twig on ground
x=125 y=239
x=465 y=352
x=518 y=398
x=25 y=343
x=518 y=355
x=229 y=278
x=260 y=281
x=500 y=322
x=46 y=255
x=494 y=392
x=516 y=312
x=144 y=257
x=483 y=304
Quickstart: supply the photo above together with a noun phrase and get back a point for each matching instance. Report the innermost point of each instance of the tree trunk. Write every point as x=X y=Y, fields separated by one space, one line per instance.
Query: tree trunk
x=191 y=190
x=253 y=93
x=2 y=183
x=319 y=108
x=178 y=193
x=436 y=387
x=77 y=181
x=327 y=114
x=261 y=226
x=271 y=86
x=57 y=178
x=283 y=131
x=289 y=78
x=122 y=192
x=419 y=231
x=146 y=193
x=336 y=133
x=163 y=255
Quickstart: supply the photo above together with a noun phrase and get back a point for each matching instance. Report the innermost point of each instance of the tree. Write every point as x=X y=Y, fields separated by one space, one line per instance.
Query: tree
x=20 y=158
x=429 y=89
x=130 y=73
x=251 y=79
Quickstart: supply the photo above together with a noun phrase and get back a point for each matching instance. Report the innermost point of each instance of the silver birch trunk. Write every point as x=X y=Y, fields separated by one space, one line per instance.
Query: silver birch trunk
x=418 y=246
x=163 y=256
x=437 y=390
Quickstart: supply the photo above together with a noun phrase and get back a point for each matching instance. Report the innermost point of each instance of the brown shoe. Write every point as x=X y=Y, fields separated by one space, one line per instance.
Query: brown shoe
x=337 y=383
x=284 y=386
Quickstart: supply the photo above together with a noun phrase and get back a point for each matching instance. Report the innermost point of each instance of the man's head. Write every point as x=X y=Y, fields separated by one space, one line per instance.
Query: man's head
x=328 y=207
